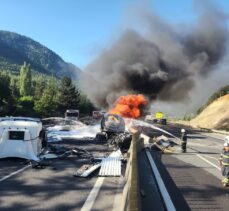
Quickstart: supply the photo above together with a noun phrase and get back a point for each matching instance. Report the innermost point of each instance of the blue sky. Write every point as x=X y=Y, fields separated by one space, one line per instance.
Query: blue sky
x=78 y=30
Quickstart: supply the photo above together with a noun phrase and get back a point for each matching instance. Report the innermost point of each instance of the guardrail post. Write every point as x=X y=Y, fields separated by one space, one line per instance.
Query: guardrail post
x=134 y=195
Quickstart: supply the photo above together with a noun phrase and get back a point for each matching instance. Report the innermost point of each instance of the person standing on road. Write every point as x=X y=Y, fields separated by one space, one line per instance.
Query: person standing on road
x=224 y=162
x=183 y=140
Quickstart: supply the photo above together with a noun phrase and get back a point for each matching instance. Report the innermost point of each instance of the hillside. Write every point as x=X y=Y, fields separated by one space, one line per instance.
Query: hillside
x=215 y=115
x=15 y=49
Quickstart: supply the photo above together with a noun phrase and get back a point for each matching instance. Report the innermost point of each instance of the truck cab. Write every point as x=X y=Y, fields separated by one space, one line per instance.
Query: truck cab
x=21 y=137
x=71 y=114
x=158 y=118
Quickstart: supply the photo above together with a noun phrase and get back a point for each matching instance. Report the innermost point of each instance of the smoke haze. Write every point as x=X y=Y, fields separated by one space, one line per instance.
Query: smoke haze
x=164 y=63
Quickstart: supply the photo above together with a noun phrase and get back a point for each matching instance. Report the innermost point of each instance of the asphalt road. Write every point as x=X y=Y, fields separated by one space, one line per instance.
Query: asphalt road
x=192 y=179
x=55 y=188
x=196 y=174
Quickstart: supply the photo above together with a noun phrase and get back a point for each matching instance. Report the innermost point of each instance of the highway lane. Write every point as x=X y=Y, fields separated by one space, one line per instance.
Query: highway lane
x=193 y=176
x=197 y=172
x=55 y=188
x=190 y=179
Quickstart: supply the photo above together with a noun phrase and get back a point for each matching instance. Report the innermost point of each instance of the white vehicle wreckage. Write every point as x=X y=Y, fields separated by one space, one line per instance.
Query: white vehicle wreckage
x=20 y=137
x=26 y=138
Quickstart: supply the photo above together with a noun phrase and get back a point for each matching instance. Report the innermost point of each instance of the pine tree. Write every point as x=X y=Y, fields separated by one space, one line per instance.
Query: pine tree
x=85 y=106
x=25 y=81
x=68 y=97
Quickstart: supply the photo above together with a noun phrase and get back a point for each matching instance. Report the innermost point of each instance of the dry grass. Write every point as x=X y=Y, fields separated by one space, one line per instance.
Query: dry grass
x=214 y=116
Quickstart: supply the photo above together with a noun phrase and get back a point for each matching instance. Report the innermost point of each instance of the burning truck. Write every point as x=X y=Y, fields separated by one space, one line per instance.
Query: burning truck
x=113 y=128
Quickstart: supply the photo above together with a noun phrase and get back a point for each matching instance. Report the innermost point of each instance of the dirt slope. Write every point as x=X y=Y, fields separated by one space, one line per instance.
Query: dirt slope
x=215 y=116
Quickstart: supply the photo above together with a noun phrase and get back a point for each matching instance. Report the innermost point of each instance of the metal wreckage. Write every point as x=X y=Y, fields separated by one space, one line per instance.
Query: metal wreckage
x=26 y=138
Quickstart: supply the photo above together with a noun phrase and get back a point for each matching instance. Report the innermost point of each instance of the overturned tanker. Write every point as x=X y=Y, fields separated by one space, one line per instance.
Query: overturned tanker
x=113 y=131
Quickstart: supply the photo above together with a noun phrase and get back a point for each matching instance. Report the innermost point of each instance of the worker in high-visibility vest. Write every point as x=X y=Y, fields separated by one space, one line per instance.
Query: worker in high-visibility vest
x=224 y=162
x=183 y=140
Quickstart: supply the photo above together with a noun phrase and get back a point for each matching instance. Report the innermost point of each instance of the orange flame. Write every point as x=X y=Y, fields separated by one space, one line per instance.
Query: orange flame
x=129 y=106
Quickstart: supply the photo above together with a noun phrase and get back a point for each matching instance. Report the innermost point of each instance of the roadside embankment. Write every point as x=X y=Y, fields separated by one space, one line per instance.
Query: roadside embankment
x=214 y=118
x=188 y=124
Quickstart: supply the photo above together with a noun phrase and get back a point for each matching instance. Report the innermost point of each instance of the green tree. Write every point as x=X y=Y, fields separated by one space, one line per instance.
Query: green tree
x=7 y=103
x=68 y=96
x=39 y=84
x=14 y=86
x=25 y=80
x=25 y=106
x=46 y=106
x=85 y=106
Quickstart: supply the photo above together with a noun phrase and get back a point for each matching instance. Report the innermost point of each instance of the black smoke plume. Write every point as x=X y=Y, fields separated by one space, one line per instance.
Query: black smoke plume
x=163 y=63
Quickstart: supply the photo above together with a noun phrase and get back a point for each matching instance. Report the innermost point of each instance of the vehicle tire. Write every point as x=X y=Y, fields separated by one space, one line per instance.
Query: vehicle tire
x=43 y=137
x=163 y=121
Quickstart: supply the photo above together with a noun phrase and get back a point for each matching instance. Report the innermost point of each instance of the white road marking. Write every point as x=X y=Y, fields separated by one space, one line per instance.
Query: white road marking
x=166 y=197
x=118 y=195
x=212 y=164
x=210 y=157
x=14 y=173
x=213 y=137
x=93 y=194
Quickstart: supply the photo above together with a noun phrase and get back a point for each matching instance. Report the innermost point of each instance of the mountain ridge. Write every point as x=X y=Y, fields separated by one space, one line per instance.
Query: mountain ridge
x=15 y=49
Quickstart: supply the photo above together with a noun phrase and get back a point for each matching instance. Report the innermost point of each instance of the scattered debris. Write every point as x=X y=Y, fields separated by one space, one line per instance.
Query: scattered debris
x=161 y=143
x=86 y=170
x=53 y=151
x=110 y=166
x=48 y=156
x=39 y=164
x=121 y=140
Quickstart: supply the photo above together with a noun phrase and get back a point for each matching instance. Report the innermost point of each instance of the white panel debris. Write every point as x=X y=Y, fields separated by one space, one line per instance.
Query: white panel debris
x=110 y=166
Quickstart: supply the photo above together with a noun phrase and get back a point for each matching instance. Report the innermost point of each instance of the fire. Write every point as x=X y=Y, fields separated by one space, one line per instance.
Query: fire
x=129 y=106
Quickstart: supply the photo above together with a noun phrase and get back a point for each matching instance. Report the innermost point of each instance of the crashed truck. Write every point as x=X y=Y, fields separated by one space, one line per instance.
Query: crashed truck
x=71 y=114
x=21 y=137
x=158 y=118
x=113 y=131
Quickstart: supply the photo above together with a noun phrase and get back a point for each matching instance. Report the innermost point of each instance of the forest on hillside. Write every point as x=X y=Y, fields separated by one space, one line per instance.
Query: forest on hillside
x=34 y=94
